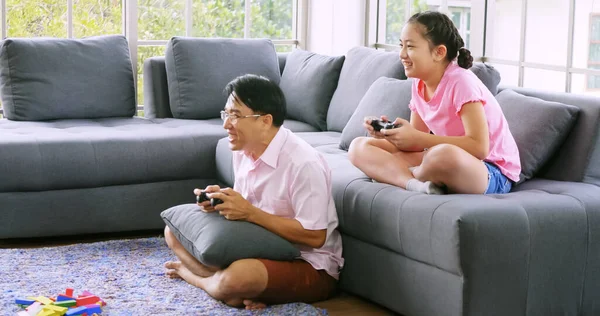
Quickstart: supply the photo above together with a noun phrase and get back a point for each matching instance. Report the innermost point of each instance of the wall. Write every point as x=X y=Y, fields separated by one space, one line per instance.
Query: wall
x=335 y=26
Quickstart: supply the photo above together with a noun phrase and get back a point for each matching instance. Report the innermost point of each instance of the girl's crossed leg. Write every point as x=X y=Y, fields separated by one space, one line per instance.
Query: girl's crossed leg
x=441 y=167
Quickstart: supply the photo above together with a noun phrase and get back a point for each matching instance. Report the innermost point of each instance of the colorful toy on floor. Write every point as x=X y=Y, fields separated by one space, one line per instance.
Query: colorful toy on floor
x=85 y=304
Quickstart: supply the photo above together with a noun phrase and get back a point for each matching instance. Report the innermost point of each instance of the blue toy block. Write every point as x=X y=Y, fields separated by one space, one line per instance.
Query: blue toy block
x=61 y=298
x=22 y=301
x=93 y=309
x=77 y=311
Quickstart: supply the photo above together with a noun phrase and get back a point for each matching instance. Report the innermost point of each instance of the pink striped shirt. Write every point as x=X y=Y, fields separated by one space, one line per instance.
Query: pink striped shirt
x=292 y=180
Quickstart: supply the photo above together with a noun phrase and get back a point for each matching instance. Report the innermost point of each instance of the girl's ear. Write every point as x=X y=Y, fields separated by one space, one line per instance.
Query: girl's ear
x=439 y=52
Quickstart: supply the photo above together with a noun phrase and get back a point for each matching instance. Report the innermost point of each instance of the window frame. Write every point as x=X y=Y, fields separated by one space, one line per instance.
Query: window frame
x=592 y=63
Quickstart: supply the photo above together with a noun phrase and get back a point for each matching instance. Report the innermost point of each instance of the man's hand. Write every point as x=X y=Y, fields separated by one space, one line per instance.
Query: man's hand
x=206 y=207
x=234 y=207
x=405 y=137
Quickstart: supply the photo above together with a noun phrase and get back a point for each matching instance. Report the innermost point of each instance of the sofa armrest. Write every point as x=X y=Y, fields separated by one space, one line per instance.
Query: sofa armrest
x=533 y=251
x=535 y=257
x=156 y=89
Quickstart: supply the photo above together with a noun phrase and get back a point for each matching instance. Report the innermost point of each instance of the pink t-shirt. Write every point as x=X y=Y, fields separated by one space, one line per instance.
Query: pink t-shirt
x=292 y=180
x=441 y=114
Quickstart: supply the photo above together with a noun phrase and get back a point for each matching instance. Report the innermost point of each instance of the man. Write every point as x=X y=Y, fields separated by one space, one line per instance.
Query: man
x=281 y=184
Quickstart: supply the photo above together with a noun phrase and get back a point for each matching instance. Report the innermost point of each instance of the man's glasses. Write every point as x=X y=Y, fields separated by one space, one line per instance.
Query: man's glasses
x=234 y=117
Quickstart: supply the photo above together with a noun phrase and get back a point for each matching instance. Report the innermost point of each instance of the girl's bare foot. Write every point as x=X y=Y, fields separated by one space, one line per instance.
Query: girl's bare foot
x=254 y=305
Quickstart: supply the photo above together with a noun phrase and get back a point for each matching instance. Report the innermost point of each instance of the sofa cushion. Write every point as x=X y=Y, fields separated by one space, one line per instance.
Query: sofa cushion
x=488 y=75
x=66 y=154
x=217 y=242
x=386 y=96
x=538 y=126
x=198 y=69
x=308 y=82
x=361 y=68
x=51 y=78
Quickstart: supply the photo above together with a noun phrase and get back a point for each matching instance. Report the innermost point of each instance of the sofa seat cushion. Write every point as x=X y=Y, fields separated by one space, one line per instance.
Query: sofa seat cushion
x=435 y=229
x=67 y=154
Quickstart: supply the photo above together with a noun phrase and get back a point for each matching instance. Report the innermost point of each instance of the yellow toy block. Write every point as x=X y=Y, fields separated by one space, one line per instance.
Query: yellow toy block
x=46 y=312
x=44 y=300
x=55 y=308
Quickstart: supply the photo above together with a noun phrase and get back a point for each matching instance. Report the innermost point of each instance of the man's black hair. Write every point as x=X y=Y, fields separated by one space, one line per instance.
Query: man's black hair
x=260 y=94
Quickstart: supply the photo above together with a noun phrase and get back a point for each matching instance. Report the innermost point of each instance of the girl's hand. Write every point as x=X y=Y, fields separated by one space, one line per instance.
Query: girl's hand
x=405 y=137
x=369 y=128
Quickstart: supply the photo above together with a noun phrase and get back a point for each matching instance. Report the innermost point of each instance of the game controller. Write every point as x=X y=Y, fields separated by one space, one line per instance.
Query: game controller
x=203 y=197
x=378 y=125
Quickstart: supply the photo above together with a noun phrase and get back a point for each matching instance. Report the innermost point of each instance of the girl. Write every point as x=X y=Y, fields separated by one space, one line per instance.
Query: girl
x=471 y=149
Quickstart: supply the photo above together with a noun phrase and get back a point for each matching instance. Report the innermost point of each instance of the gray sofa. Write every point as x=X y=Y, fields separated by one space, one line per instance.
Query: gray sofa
x=534 y=251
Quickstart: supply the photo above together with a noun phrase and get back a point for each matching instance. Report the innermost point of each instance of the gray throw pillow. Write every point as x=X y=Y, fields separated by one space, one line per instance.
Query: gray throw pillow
x=54 y=78
x=218 y=242
x=539 y=127
x=308 y=83
x=386 y=96
x=488 y=75
x=361 y=68
x=198 y=69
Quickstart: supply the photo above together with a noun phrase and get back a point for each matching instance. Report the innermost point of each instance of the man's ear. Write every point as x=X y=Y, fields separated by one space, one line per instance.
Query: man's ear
x=267 y=119
x=439 y=52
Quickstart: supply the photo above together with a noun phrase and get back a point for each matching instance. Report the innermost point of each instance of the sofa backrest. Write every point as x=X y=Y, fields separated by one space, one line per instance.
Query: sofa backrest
x=156 y=88
x=50 y=78
x=578 y=159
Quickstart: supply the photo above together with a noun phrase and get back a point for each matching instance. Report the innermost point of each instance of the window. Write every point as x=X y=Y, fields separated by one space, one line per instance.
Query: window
x=395 y=13
x=156 y=22
x=461 y=16
x=535 y=37
x=593 y=81
x=159 y=20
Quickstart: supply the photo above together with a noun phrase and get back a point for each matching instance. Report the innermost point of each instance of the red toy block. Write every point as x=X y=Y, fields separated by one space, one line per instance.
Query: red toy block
x=69 y=292
x=87 y=300
x=87 y=293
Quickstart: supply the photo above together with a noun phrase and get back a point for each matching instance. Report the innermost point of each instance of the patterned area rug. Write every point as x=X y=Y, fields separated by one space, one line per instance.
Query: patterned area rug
x=127 y=274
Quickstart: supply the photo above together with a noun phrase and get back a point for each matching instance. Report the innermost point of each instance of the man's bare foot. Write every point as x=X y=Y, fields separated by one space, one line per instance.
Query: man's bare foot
x=177 y=268
x=172 y=267
x=254 y=305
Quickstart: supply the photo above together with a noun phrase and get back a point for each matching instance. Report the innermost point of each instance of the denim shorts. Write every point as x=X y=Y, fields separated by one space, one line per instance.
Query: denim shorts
x=497 y=182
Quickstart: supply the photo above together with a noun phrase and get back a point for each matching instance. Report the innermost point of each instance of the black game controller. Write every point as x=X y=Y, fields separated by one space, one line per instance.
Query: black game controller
x=378 y=125
x=203 y=197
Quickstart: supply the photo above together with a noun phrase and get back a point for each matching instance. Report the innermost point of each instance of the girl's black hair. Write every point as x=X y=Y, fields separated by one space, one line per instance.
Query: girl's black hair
x=438 y=29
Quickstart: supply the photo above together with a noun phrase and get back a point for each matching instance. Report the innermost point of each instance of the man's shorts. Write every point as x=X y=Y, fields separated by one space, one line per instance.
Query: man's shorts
x=295 y=281
x=497 y=182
